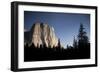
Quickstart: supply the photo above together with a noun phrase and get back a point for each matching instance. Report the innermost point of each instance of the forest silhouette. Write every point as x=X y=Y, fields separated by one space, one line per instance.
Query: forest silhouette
x=79 y=50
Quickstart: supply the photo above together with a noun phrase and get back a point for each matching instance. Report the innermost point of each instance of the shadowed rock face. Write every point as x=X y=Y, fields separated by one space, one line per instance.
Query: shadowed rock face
x=41 y=34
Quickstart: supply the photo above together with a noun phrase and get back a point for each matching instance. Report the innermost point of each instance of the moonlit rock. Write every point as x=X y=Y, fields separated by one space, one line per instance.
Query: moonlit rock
x=42 y=33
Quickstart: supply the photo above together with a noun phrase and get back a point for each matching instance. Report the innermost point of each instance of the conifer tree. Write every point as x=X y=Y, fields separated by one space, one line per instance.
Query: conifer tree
x=74 y=43
x=82 y=36
x=59 y=44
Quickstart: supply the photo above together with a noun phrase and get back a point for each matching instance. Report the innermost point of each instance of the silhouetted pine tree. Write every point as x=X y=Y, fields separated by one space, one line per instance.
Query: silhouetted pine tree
x=82 y=37
x=59 y=44
x=75 y=43
x=32 y=45
x=83 y=43
x=41 y=46
x=38 y=45
x=44 y=45
x=67 y=46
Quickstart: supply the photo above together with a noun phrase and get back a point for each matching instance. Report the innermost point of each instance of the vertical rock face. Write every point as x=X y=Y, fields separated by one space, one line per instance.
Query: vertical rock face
x=36 y=34
x=41 y=34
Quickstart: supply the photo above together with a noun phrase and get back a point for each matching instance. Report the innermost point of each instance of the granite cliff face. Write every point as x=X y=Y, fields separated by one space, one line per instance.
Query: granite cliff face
x=41 y=34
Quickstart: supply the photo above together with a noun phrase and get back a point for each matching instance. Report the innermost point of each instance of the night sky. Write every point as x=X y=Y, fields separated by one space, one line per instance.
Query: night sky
x=66 y=25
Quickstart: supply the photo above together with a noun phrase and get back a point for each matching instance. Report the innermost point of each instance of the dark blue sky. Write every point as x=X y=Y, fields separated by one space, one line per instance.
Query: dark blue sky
x=66 y=25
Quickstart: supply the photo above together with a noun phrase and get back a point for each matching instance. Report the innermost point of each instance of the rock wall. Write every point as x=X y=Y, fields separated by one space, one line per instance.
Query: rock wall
x=41 y=34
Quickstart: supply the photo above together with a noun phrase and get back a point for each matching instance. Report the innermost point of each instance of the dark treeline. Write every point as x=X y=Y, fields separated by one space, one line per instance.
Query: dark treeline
x=79 y=50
